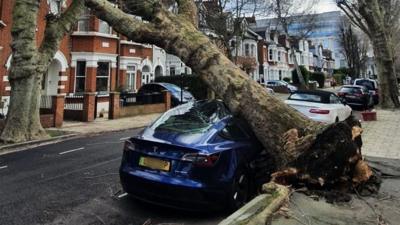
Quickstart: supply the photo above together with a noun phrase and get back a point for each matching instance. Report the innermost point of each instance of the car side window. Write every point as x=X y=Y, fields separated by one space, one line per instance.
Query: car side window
x=333 y=99
x=233 y=132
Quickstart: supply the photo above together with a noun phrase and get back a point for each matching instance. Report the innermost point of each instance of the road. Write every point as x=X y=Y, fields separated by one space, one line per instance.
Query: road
x=76 y=182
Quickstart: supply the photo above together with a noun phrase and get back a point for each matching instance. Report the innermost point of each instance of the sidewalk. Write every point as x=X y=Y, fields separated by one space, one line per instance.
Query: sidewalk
x=101 y=125
x=381 y=138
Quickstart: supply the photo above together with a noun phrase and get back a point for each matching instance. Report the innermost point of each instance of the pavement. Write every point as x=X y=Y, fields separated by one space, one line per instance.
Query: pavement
x=104 y=125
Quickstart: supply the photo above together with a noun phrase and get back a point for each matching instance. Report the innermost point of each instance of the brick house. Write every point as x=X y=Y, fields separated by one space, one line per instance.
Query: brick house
x=92 y=59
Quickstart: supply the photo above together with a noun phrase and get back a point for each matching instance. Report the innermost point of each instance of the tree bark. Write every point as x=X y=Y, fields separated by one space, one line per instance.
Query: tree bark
x=29 y=64
x=292 y=139
x=374 y=18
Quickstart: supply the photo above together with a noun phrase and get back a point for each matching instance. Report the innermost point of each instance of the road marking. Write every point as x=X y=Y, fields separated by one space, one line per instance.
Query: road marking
x=122 y=195
x=124 y=138
x=3 y=167
x=73 y=150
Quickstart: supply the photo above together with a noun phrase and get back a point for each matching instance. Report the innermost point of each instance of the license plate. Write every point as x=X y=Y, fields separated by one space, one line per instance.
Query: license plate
x=155 y=164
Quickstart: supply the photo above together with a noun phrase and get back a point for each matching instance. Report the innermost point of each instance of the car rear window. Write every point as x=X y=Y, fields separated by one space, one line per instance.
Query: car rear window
x=306 y=97
x=193 y=117
x=350 y=90
x=366 y=83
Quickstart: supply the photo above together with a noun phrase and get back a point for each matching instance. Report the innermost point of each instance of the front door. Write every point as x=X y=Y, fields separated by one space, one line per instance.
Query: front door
x=52 y=78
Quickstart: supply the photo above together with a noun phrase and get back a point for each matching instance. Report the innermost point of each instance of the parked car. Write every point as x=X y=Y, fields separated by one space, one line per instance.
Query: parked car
x=276 y=84
x=196 y=156
x=175 y=92
x=356 y=96
x=321 y=106
x=372 y=86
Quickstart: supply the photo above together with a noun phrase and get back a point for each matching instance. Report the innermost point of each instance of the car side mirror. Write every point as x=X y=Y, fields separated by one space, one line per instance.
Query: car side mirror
x=344 y=102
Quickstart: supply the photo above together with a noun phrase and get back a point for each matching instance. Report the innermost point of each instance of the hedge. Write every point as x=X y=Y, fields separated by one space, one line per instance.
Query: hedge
x=304 y=72
x=319 y=77
x=287 y=79
x=195 y=85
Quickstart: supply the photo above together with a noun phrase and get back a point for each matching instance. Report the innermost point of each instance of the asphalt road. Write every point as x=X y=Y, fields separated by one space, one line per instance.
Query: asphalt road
x=76 y=182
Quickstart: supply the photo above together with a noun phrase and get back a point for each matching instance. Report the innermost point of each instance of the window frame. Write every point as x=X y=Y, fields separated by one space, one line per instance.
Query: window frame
x=80 y=76
x=103 y=77
x=131 y=75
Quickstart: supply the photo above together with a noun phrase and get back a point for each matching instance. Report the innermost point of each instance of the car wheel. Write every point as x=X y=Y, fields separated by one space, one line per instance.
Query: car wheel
x=240 y=192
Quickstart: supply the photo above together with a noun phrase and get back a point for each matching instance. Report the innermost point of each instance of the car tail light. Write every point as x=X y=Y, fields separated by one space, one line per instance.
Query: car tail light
x=319 y=111
x=358 y=95
x=201 y=160
x=129 y=146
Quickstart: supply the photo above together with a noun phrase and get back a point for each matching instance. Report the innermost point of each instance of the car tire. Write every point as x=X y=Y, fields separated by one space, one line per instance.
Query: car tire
x=240 y=190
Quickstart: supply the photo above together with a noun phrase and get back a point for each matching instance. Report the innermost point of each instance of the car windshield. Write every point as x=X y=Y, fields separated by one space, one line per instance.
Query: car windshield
x=193 y=117
x=366 y=83
x=306 y=97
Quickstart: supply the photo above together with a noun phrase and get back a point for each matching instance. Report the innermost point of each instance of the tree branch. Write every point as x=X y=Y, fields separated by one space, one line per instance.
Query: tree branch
x=56 y=28
x=188 y=9
x=354 y=17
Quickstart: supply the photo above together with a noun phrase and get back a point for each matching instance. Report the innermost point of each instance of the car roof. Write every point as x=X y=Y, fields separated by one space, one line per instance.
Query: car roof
x=353 y=86
x=325 y=95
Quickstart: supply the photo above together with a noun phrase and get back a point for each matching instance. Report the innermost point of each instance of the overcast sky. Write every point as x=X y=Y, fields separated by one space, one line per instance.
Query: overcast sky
x=326 y=6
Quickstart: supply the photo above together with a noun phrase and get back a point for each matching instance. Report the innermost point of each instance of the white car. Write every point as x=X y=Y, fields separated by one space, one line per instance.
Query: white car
x=321 y=106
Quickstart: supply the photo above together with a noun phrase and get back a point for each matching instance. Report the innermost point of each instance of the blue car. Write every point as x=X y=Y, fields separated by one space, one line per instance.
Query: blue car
x=195 y=157
x=172 y=88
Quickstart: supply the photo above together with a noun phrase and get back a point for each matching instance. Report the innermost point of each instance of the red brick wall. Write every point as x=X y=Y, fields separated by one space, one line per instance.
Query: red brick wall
x=139 y=51
x=94 y=44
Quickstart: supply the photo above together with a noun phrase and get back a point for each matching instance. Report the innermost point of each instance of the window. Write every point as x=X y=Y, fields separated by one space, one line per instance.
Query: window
x=279 y=56
x=271 y=55
x=55 y=6
x=104 y=27
x=233 y=132
x=80 y=75
x=103 y=72
x=83 y=22
x=233 y=43
x=246 y=50
x=333 y=99
x=172 y=71
x=131 y=78
x=252 y=52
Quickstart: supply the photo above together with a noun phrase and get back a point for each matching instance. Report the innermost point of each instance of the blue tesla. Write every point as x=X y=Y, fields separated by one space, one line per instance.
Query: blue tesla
x=196 y=156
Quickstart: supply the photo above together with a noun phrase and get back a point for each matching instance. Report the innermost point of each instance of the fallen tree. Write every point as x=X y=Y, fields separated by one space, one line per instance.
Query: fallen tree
x=310 y=152
x=303 y=150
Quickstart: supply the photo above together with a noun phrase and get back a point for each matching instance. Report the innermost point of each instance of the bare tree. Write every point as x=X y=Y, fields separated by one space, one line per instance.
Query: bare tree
x=288 y=13
x=354 y=48
x=378 y=19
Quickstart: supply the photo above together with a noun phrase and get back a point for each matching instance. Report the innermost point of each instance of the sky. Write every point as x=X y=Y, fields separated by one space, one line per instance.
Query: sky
x=326 y=6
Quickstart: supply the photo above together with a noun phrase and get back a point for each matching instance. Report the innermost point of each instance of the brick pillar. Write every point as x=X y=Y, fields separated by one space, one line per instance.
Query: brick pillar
x=113 y=79
x=90 y=84
x=113 y=111
x=89 y=101
x=167 y=100
x=122 y=78
x=58 y=110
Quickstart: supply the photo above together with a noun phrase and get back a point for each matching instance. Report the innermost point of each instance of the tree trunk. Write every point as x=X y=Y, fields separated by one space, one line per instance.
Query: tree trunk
x=292 y=139
x=23 y=119
x=302 y=81
x=30 y=63
x=389 y=90
x=24 y=110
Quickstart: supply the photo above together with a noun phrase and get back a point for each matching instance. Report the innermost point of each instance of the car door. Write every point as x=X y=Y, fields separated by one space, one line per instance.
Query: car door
x=338 y=106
